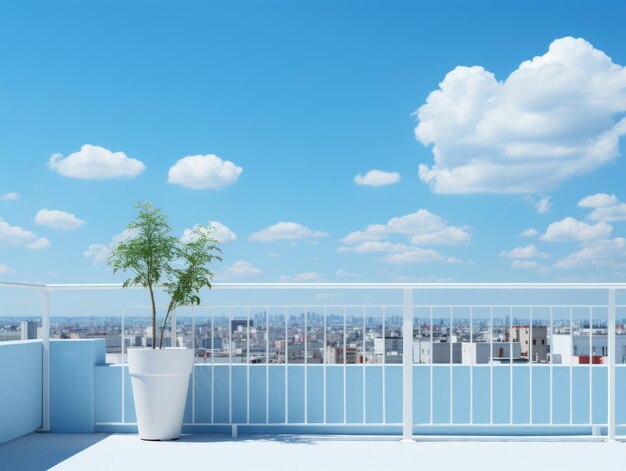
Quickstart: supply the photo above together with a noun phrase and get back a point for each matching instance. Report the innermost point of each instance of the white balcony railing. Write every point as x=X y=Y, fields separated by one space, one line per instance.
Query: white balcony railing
x=362 y=348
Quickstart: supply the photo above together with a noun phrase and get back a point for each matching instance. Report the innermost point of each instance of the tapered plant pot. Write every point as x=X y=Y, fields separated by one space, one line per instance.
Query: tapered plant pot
x=160 y=379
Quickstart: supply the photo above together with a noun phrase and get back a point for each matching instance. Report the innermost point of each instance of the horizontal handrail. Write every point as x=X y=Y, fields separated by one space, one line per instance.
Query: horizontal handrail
x=14 y=284
x=397 y=306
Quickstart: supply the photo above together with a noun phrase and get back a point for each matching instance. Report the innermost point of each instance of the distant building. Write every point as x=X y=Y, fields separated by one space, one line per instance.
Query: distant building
x=539 y=347
x=239 y=324
x=388 y=346
x=478 y=353
x=465 y=353
x=437 y=352
x=210 y=344
x=336 y=355
x=578 y=348
x=28 y=330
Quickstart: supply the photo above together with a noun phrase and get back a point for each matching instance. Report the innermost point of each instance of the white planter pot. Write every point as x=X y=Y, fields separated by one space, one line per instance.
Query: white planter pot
x=160 y=380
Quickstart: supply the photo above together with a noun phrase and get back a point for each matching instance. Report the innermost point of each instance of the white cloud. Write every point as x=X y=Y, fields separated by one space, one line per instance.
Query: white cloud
x=241 y=268
x=377 y=178
x=449 y=236
x=96 y=163
x=602 y=253
x=598 y=200
x=417 y=255
x=606 y=208
x=610 y=213
x=5 y=269
x=11 y=196
x=543 y=205
x=201 y=172
x=374 y=246
x=307 y=277
x=525 y=264
x=220 y=232
x=15 y=235
x=58 y=220
x=38 y=244
x=346 y=274
x=100 y=253
x=530 y=232
x=272 y=255
x=556 y=116
x=572 y=229
x=529 y=251
x=286 y=231
x=424 y=227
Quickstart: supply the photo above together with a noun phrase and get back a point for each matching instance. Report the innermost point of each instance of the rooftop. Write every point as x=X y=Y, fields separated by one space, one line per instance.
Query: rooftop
x=280 y=390
x=93 y=452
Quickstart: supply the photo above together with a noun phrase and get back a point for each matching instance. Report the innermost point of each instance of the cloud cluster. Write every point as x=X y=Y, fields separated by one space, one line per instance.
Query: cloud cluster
x=56 y=219
x=529 y=251
x=201 y=172
x=420 y=228
x=96 y=163
x=571 y=229
x=525 y=264
x=219 y=232
x=286 y=231
x=555 y=116
x=597 y=248
x=306 y=277
x=241 y=269
x=598 y=253
x=16 y=235
x=606 y=208
x=342 y=273
x=530 y=232
x=377 y=178
x=526 y=257
x=412 y=255
x=100 y=253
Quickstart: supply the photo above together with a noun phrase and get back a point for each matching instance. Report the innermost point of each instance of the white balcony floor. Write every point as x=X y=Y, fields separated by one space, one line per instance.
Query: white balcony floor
x=65 y=452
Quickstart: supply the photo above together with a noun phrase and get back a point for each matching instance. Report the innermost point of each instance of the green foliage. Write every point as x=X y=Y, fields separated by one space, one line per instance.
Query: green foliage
x=148 y=249
x=152 y=254
x=184 y=283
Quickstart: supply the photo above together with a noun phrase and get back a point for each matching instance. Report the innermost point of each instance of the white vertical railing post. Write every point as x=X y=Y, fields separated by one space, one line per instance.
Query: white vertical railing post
x=45 y=340
x=407 y=367
x=612 y=355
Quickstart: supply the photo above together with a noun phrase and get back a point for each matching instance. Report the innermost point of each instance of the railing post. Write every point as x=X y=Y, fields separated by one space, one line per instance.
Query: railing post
x=45 y=362
x=407 y=367
x=612 y=355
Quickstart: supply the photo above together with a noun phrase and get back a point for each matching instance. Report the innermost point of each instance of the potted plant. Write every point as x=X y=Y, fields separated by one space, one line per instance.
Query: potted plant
x=160 y=376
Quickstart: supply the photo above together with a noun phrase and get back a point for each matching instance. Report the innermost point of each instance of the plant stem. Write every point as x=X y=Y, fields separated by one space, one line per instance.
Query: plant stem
x=170 y=308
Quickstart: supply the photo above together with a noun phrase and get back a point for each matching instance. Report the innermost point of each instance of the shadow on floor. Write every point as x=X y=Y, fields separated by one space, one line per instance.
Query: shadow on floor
x=41 y=451
x=287 y=439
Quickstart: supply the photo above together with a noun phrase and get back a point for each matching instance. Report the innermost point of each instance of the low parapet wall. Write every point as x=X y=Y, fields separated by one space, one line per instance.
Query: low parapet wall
x=20 y=388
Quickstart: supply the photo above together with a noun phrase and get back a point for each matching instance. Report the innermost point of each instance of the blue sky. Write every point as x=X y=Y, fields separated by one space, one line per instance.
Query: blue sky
x=298 y=98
